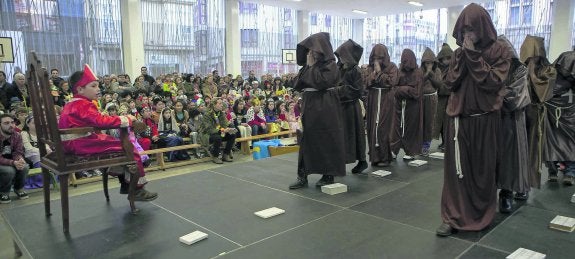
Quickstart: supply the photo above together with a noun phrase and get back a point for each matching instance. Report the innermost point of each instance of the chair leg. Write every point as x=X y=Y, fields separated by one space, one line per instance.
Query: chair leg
x=64 y=200
x=134 y=178
x=105 y=183
x=46 y=186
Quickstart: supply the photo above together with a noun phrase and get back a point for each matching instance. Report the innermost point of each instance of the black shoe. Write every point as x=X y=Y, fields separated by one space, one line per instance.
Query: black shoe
x=505 y=205
x=22 y=195
x=325 y=180
x=522 y=196
x=5 y=198
x=300 y=183
x=553 y=178
x=568 y=180
x=444 y=230
x=361 y=165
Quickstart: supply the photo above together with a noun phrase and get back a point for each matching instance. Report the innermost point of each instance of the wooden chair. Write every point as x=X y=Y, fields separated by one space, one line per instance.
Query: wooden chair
x=61 y=163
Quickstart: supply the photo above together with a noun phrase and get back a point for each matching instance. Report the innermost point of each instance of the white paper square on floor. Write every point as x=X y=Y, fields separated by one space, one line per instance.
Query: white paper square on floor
x=573 y=198
x=417 y=163
x=268 y=213
x=437 y=155
x=381 y=173
x=193 y=237
x=523 y=253
x=334 y=188
x=563 y=223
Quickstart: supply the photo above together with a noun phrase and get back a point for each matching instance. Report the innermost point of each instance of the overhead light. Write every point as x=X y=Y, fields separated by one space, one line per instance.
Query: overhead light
x=296 y=0
x=419 y=4
x=358 y=11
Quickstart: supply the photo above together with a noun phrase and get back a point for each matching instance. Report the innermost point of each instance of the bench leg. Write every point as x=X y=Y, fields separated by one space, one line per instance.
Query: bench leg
x=64 y=200
x=161 y=163
x=46 y=186
x=245 y=147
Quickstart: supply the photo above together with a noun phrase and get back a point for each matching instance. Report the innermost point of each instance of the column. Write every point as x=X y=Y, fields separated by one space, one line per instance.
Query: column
x=233 y=39
x=358 y=36
x=452 y=15
x=132 y=37
x=302 y=25
x=561 y=28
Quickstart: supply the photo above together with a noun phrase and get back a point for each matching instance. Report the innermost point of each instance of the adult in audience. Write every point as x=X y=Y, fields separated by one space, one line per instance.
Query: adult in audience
x=13 y=167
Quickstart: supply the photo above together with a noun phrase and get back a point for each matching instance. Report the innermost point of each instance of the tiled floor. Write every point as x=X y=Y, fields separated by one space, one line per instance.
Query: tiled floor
x=391 y=217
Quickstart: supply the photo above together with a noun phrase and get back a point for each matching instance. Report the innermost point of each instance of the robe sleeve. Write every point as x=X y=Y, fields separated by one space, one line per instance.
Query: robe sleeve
x=436 y=80
x=490 y=77
x=351 y=86
x=456 y=72
x=411 y=91
x=91 y=117
x=517 y=91
x=319 y=76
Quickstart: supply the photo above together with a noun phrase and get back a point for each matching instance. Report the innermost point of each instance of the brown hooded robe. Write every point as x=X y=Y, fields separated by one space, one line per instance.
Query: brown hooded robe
x=408 y=119
x=476 y=79
x=431 y=82
x=560 y=126
x=513 y=169
x=350 y=89
x=380 y=103
x=541 y=79
x=442 y=93
x=321 y=145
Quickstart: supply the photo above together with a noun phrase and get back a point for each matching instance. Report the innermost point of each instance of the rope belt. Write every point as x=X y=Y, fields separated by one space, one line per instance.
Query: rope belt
x=316 y=90
x=403 y=104
x=434 y=93
x=377 y=117
x=457 y=150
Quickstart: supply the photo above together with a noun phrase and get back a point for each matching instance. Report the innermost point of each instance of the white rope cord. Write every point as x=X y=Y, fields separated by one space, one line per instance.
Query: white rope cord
x=457 y=151
x=403 y=104
x=377 y=117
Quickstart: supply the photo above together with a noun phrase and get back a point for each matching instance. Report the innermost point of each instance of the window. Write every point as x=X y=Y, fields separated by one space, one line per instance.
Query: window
x=248 y=8
x=37 y=15
x=249 y=38
x=313 y=19
x=514 y=16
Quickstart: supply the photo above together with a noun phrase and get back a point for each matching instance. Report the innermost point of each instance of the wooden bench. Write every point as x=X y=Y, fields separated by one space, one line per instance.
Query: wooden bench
x=159 y=152
x=245 y=147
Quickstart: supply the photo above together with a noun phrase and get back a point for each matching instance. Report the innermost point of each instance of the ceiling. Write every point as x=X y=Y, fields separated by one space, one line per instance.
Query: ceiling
x=373 y=7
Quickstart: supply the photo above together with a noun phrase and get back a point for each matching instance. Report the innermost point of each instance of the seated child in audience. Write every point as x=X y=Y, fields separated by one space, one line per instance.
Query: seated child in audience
x=271 y=116
x=256 y=118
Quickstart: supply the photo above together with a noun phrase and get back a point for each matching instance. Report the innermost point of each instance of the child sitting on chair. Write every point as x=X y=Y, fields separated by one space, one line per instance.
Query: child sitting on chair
x=81 y=112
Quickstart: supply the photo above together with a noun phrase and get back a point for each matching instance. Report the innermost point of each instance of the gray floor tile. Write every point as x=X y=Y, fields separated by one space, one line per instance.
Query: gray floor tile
x=481 y=252
x=102 y=230
x=348 y=234
x=226 y=205
x=280 y=174
x=528 y=228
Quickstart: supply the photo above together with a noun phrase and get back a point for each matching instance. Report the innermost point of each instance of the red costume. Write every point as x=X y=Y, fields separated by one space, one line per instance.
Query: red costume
x=82 y=112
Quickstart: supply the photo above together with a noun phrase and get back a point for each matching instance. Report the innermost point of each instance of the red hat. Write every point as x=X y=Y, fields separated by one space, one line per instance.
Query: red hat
x=88 y=76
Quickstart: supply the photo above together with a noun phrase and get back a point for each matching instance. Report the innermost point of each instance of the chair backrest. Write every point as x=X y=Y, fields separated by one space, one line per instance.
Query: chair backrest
x=49 y=134
x=43 y=109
